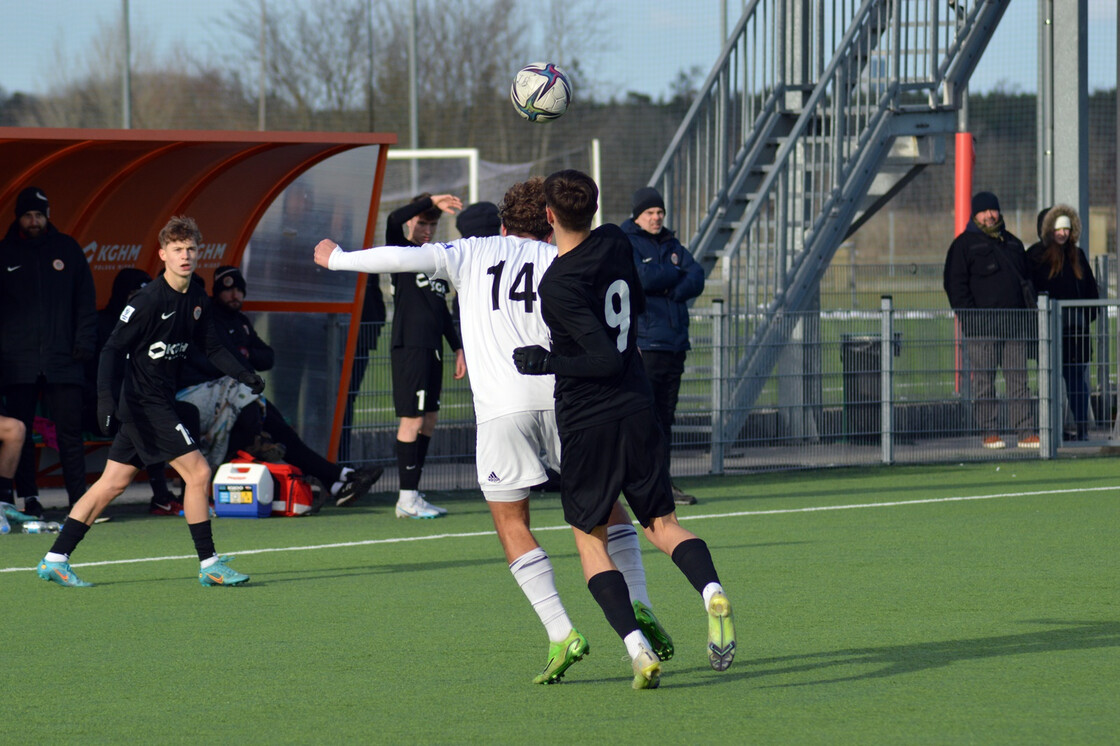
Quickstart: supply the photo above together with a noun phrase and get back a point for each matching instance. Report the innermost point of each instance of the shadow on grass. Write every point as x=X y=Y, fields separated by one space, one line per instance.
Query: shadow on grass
x=896 y=660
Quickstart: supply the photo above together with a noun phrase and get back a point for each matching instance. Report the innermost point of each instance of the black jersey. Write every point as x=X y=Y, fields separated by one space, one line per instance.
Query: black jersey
x=590 y=299
x=420 y=314
x=149 y=344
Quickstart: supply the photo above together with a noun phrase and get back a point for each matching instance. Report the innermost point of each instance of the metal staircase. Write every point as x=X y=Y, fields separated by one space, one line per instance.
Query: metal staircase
x=816 y=113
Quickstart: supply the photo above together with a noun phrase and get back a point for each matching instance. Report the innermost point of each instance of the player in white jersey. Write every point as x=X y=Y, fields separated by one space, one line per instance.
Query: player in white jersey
x=496 y=279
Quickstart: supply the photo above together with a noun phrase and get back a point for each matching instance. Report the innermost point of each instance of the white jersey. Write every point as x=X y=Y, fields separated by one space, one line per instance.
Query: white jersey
x=496 y=278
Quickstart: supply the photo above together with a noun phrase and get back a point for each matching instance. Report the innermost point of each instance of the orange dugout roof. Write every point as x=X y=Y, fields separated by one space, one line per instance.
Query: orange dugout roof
x=112 y=190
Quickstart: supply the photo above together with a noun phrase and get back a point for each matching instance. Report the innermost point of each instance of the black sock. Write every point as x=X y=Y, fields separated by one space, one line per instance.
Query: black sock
x=610 y=592
x=6 y=494
x=73 y=531
x=695 y=561
x=423 y=441
x=408 y=465
x=203 y=537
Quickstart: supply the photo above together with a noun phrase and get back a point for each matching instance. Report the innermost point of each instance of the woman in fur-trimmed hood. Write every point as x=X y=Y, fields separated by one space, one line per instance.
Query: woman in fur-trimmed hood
x=1059 y=267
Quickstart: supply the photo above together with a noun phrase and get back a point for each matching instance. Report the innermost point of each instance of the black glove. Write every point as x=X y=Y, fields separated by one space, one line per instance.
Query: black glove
x=81 y=354
x=532 y=360
x=106 y=420
x=252 y=380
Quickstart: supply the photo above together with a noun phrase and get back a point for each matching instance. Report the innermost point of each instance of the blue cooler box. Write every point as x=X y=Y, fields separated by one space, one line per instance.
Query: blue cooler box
x=242 y=491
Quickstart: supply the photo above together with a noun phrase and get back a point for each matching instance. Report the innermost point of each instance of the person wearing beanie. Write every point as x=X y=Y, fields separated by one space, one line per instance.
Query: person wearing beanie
x=479 y=219
x=670 y=278
x=225 y=278
x=989 y=288
x=48 y=330
x=644 y=199
x=1058 y=266
x=256 y=426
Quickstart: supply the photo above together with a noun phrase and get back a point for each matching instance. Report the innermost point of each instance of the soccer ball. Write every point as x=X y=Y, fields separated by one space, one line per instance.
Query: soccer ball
x=540 y=92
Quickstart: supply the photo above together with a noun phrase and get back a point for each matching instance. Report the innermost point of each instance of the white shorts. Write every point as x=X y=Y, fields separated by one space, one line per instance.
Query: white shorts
x=513 y=452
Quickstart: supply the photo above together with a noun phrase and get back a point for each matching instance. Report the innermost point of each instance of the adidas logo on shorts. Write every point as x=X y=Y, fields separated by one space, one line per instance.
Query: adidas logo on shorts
x=493 y=478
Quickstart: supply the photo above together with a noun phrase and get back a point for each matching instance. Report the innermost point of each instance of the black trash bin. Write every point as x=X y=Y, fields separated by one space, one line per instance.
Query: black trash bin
x=861 y=361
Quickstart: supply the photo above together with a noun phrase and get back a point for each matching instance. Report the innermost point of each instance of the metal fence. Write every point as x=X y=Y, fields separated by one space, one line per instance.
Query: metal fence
x=852 y=387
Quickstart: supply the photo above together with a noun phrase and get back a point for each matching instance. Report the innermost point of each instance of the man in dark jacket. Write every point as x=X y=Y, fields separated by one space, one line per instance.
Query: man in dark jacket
x=670 y=278
x=986 y=282
x=48 y=329
x=234 y=327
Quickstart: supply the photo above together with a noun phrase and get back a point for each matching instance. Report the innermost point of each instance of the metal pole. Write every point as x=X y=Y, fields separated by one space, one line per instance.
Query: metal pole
x=886 y=379
x=1044 y=104
x=718 y=334
x=413 y=111
x=126 y=73
x=261 y=109
x=1115 y=432
x=1047 y=383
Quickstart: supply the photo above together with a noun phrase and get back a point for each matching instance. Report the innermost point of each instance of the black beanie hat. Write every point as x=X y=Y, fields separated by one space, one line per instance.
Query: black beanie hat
x=226 y=277
x=479 y=219
x=984 y=201
x=645 y=198
x=32 y=198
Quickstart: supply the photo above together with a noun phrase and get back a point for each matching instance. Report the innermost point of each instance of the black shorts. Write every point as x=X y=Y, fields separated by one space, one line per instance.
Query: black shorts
x=157 y=438
x=417 y=380
x=627 y=456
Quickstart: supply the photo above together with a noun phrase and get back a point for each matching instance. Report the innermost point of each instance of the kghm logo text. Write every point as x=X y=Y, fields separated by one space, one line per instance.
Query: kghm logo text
x=162 y=350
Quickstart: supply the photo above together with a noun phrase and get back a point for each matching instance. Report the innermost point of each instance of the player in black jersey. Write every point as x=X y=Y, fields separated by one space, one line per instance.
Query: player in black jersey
x=136 y=382
x=610 y=440
x=421 y=321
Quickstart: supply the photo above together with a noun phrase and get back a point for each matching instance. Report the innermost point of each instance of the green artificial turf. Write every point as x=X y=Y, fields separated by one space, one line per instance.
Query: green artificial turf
x=950 y=621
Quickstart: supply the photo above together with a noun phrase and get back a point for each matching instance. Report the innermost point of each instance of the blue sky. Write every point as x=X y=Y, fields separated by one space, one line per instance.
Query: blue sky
x=651 y=39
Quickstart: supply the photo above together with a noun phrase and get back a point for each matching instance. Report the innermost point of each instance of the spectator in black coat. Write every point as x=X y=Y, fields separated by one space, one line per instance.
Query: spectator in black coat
x=1059 y=267
x=48 y=329
x=987 y=283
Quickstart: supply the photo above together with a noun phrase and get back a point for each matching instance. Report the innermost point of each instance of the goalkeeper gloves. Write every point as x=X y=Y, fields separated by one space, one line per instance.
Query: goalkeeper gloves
x=532 y=361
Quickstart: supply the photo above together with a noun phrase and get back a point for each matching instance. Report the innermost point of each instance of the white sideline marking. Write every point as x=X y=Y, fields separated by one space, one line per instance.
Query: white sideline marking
x=469 y=534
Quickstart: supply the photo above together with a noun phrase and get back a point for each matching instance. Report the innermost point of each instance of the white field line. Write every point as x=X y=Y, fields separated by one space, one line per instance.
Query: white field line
x=735 y=514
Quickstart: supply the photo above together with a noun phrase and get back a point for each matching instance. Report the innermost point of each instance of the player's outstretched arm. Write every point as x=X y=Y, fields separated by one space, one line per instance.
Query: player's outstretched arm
x=380 y=259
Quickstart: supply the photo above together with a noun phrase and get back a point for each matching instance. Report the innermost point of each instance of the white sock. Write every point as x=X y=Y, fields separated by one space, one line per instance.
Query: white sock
x=208 y=561
x=710 y=590
x=533 y=572
x=343 y=478
x=634 y=643
x=626 y=553
x=407 y=498
x=56 y=557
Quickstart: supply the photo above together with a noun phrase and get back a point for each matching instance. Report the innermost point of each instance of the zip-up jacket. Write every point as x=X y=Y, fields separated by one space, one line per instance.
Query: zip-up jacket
x=670 y=278
x=48 y=312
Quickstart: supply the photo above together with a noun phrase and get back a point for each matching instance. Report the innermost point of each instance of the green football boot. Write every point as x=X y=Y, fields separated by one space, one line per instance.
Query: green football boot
x=561 y=655
x=647 y=670
x=658 y=638
x=721 y=633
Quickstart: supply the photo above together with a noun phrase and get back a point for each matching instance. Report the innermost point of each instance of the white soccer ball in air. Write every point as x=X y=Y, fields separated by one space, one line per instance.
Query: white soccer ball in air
x=540 y=92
